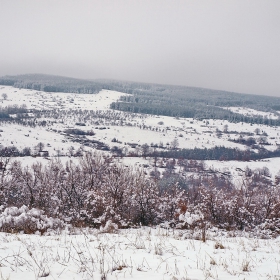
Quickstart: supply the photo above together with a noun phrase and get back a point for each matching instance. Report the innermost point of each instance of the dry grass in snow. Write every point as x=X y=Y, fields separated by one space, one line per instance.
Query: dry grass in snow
x=144 y=253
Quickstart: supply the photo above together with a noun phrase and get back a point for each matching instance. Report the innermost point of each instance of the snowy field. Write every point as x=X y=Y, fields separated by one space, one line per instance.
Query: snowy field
x=251 y=112
x=40 y=100
x=126 y=129
x=237 y=168
x=138 y=254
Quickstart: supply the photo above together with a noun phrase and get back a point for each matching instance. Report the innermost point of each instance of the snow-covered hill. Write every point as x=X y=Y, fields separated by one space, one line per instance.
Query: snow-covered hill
x=128 y=132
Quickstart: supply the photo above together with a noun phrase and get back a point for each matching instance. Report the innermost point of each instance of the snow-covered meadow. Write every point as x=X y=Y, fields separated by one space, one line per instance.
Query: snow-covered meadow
x=124 y=127
x=143 y=253
x=40 y=100
x=252 y=112
x=127 y=129
x=128 y=132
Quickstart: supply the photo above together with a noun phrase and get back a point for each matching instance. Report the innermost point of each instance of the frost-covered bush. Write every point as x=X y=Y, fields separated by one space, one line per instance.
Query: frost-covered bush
x=270 y=225
x=26 y=220
x=97 y=190
x=190 y=220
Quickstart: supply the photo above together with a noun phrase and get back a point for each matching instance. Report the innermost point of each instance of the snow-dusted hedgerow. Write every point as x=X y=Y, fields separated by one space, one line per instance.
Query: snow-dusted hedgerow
x=97 y=190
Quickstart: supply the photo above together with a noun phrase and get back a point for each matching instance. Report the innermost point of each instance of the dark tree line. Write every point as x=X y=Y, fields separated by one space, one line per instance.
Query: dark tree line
x=216 y=153
x=188 y=110
x=5 y=112
x=49 y=83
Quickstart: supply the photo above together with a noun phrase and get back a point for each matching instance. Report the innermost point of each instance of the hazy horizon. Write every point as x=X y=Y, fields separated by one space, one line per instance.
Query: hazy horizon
x=222 y=45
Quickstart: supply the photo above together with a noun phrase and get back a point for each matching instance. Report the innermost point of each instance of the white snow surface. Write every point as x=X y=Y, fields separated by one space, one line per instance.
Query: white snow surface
x=252 y=112
x=58 y=100
x=237 y=168
x=138 y=129
x=144 y=253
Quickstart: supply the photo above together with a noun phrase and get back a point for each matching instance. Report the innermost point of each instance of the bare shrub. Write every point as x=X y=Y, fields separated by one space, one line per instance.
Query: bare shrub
x=97 y=190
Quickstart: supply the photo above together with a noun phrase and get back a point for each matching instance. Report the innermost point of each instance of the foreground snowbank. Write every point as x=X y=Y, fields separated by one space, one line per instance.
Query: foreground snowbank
x=143 y=253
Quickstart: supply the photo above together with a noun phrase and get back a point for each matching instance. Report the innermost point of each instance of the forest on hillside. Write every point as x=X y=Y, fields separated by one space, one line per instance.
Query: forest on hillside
x=167 y=100
x=50 y=83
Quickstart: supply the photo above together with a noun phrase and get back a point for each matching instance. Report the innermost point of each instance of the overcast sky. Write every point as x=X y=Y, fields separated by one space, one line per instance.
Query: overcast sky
x=231 y=45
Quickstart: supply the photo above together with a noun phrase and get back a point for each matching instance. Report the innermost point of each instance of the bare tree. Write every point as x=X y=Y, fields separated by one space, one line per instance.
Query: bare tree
x=174 y=144
x=145 y=150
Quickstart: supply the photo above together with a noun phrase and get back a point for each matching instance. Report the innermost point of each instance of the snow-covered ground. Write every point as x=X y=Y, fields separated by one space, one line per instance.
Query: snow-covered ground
x=134 y=128
x=126 y=129
x=251 y=112
x=21 y=136
x=237 y=168
x=48 y=100
x=144 y=253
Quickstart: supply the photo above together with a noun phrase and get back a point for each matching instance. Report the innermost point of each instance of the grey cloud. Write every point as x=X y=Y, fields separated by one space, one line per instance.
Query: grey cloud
x=229 y=45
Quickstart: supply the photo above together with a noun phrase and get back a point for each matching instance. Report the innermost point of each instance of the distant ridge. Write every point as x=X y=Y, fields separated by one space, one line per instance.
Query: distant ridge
x=51 y=83
x=157 y=99
x=27 y=80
